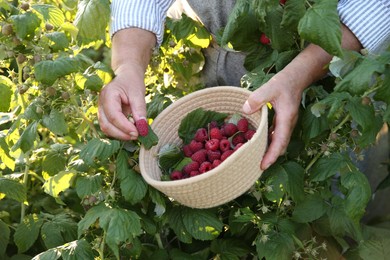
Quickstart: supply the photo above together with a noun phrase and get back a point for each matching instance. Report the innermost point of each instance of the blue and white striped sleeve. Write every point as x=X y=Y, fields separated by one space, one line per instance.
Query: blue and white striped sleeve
x=145 y=14
x=369 y=20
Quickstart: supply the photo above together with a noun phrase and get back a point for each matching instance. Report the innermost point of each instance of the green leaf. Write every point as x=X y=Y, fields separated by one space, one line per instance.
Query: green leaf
x=50 y=13
x=59 y=41
x=358 y=195
x=176 y=223
x=60 y=230
x=75 y=250
x=93 y=82
x=229 y=248
x=97 y=148
x=169 y=156
x=295 y=184
x=327 y=167
x=27 y=232
x=26 y=140
x=321 y=25
x=364 y=115
x=383 y=93
x=281 y=39
x=182 y=28
x=133 y=187
x=5 y=156
x=196 y=119
x=5 y=93
x=13 y=189
x=48 y=71
x=120 y=225
x=312 y=125
x=4 y=238
x=150 y=140
x=25 y=24
x=312 y=208
x=96 y=12
x=376 y=244
x=276 y=178
x=279 y=246
x=358 y=80
x=340 y=223
x=55 y=122
x=51 y=254
x=87 y=185
x=53 y=163
x=201 y=224
x=293 y=11
x=59 y=183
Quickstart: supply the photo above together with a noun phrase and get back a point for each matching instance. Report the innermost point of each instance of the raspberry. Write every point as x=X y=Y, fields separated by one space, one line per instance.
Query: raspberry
x=242 y=125
x=230 y=129
x=195 y=146
x=216 y=163
x=264 y=39
x=224 y=145
x=215 y=133
x=213 y=155
x=213 y=124
x=176 y=175
x=194 y=173
x=226 y=155
x=205 y=167
x=142 y=127
x=201 y=135
x=238 y=146
x=212 y=144
x=249 y=134
x=199 y=156
x=238 y=138
x=192 y=166
x=187 y=150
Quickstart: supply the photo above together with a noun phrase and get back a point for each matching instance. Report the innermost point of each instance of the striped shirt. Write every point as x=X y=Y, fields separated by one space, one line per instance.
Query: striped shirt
x=369 y=20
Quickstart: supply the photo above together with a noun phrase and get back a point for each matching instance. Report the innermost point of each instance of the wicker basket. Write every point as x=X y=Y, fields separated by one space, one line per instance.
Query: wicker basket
x=231 y=178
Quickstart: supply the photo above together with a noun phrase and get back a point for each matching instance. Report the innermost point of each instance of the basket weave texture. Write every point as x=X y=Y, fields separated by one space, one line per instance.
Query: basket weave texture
x=231 y=178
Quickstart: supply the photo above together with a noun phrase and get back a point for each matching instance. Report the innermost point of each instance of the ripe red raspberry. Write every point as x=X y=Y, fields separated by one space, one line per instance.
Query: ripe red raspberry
x=205 y=167
x=176 y=175
x=230 y=129
x=238 y=146
x=282 y=2
x=142 y=127
x=195 y=146
x=215 y=133
x=226 y=155
x=264 y=39
x=194 y=173
x=213 y=124
x=249 y=134
x=199 y=156
x=216 y=163
x=212 y=144
x=224 y=145
x=201 y=135
x=213 y=155
x=192 y=166
x=187 y=150
x=242 y=125
x=238 y=138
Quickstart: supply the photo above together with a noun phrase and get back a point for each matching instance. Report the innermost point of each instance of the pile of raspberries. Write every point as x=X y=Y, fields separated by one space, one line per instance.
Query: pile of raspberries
x=209 y=148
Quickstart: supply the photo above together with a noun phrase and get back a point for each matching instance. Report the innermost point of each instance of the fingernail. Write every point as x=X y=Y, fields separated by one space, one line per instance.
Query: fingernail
x=247 y=108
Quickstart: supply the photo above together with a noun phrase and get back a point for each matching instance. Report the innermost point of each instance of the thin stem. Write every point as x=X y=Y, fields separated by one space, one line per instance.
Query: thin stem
x=313 y=161
x=159 y=242
x=102 y=244
x=25 y=180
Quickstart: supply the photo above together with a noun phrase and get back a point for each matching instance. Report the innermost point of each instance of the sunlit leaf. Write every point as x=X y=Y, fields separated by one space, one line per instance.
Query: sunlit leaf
x=13 y=189
x=27 y=232
x=25 y=24
x=97 y=148
x=5 y=93
x=51 y=14
x=59 y=183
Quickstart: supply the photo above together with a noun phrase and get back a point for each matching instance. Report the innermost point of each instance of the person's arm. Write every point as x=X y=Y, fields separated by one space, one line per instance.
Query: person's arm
x=284 y=91
x=137 y=27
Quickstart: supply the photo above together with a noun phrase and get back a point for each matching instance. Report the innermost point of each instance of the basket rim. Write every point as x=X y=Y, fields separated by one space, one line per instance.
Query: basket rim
x=200 y=177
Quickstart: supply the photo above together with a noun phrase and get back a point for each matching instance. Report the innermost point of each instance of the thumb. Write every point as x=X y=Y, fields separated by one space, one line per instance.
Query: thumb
x=255 y=101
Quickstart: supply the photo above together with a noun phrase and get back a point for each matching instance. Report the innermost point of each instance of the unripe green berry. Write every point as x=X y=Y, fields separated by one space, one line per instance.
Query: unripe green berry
x=51 y=91
x=21 y=58
x=25 y=6
x=49 y=27
x=7 y=29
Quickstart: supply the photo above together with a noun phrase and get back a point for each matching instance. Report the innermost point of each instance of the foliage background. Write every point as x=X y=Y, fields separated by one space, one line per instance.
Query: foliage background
x=69 y=192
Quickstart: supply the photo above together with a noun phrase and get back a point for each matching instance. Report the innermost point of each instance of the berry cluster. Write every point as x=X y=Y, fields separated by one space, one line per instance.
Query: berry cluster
x=211 y=146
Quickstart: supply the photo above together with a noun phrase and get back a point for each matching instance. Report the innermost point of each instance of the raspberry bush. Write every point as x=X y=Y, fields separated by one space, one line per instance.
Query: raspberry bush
x=69 y=192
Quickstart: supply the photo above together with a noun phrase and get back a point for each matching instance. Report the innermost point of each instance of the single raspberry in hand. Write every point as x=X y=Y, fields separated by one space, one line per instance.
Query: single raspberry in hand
x=142 y=127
